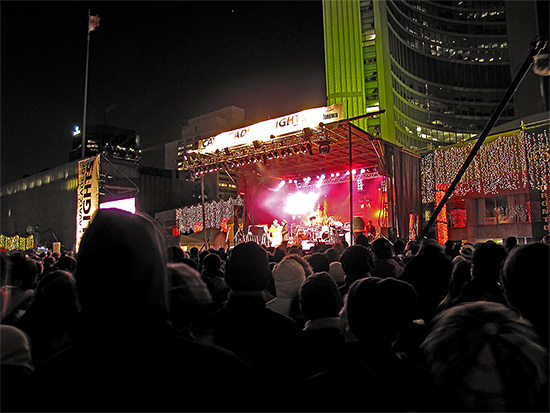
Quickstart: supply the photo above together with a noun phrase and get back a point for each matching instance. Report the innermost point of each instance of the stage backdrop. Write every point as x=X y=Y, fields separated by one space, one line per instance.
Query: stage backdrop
x=406 y=171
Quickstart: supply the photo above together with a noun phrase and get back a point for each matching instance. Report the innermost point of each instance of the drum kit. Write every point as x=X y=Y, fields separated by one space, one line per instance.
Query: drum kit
x=332 y=232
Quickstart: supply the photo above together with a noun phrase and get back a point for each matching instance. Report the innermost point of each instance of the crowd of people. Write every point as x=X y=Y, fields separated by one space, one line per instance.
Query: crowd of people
x=131 y=324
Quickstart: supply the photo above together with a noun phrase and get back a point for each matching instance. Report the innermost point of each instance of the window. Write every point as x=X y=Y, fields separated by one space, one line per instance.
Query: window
x=504 y=210
x=457 y=218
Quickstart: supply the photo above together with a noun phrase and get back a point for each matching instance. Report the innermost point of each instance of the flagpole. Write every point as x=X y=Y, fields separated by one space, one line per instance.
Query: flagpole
x=86 y=91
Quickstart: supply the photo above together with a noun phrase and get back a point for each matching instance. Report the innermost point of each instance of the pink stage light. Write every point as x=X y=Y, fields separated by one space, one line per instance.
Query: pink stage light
x=320 y=181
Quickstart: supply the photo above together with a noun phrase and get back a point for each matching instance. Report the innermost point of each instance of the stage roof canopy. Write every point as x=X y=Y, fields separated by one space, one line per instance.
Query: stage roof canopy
x=320 y=148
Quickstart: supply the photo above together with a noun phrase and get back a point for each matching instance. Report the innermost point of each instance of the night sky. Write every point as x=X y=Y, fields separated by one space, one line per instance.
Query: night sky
x=155 y=64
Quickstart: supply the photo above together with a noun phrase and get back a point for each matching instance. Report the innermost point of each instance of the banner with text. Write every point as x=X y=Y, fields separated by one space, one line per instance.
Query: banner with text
x=87 y=195
x=273 y=128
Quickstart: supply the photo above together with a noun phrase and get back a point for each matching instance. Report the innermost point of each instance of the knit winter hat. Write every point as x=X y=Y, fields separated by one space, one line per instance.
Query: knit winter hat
x=320 y=296
x=14 y=346
x=482 y=356
x=288 y=276
x=467 y=251
x=247 y=268
x=379 y=308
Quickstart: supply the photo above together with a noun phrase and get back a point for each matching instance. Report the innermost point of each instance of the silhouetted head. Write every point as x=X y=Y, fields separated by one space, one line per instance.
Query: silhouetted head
x=320 y=297
x=319 y=261
x=121 y=271
x=247 y=268
x=357 y=262
x=482 y=356
x=525 y=281
x=378 y=309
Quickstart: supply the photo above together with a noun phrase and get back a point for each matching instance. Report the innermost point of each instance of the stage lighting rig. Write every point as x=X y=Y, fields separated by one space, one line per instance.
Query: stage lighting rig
x=324 y=147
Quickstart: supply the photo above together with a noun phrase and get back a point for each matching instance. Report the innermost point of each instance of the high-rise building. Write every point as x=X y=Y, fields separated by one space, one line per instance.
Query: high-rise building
x=219 y=184
x=116 y=142
x=437 y=68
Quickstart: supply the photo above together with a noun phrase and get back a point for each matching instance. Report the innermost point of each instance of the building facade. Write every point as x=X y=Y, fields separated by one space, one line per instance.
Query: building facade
x=437 y=68
x=117 y=142
x=44 y=205
x=504 y=192
x=220 y=184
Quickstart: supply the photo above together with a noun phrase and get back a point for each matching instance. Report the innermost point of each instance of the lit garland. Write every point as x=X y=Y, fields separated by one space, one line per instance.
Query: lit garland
x=458 y=217
x=507 y=163
x=217 y=214
x=17 y=243
x=441 y=229
x=538 y=151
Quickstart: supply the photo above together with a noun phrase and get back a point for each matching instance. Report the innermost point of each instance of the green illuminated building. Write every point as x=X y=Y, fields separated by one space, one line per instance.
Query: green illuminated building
x=438 y=68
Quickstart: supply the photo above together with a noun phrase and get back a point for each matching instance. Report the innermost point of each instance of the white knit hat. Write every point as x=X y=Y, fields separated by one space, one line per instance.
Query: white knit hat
x=288 y=276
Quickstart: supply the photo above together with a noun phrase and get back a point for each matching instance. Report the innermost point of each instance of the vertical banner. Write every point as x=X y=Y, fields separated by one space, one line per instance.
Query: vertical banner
x=87 y=195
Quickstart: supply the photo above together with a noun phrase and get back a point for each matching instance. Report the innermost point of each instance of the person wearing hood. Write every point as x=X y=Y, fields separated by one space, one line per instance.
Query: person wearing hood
x=127 y=355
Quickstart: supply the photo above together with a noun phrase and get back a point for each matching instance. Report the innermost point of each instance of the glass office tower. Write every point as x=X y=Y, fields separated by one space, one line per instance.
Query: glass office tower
x=438 y=68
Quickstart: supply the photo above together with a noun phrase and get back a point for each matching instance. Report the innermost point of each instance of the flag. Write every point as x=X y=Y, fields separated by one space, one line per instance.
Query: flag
x=93 y=22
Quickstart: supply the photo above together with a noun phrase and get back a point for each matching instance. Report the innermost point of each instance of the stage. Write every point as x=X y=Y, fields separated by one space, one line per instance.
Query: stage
x=318 y=171
x=317 y=208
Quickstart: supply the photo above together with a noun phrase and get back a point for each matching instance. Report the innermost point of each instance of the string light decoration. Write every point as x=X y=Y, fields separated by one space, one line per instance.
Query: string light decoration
x=538 y=153
x=441 y=228
x=17 y=243
x=217 y=213
x=507 y=163
x=458 y=218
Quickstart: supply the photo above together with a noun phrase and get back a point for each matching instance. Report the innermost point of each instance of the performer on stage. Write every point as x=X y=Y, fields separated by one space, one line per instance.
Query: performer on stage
x=370 y=230
x=284 y=233
x=274 y=234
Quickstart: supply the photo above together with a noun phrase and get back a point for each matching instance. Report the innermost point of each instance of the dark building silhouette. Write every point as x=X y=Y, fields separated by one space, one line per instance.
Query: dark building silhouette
x=116 y=142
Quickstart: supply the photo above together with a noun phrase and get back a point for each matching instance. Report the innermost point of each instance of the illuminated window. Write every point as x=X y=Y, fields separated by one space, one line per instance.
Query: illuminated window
x=457 y=217
x=504 y=210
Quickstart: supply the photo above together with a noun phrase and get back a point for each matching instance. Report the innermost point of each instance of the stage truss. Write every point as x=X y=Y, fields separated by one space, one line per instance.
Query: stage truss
x=308 y=152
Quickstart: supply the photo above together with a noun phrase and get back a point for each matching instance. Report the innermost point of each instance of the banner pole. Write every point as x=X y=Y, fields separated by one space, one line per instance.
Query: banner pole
x=83 y=149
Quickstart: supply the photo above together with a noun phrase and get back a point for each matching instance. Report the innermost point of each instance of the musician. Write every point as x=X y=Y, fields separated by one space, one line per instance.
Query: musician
x=239 y=235
x=312 y=230
x=274 y=234
x=370 y=230
x=284 y=233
